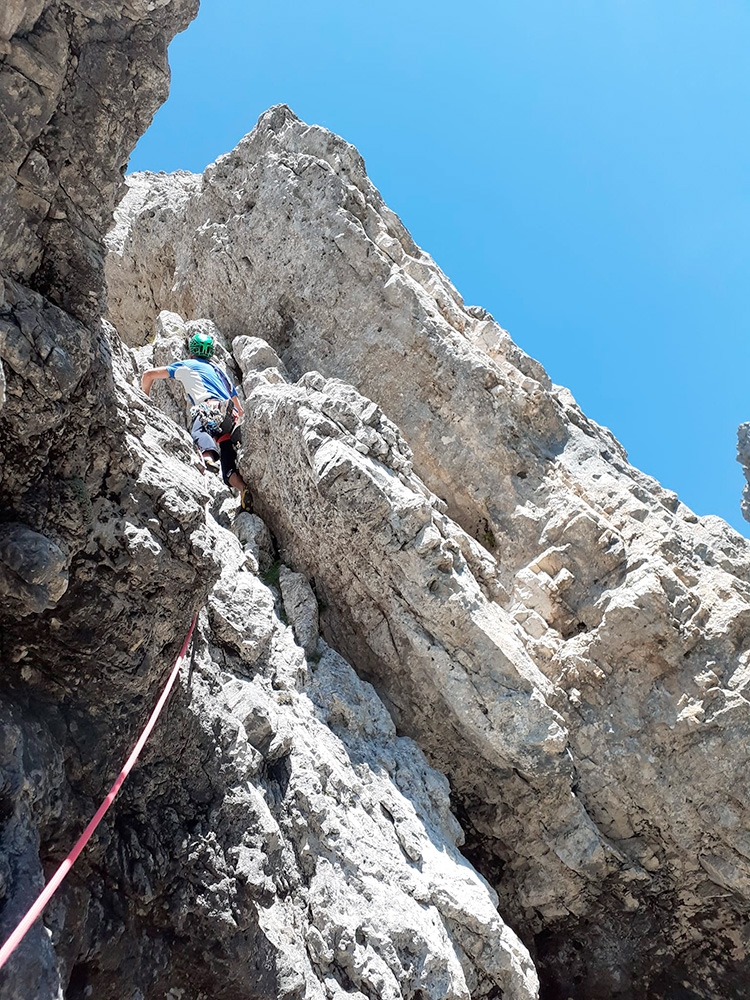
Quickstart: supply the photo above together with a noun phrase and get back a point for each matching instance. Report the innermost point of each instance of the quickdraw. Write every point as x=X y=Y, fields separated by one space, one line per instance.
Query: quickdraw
x=216 y=418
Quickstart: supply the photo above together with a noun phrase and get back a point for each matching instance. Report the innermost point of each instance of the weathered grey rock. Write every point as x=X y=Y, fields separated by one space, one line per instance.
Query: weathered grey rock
x=32 y=785
x=562 y=635
x=169 y=345
x=70 y=72
x=33 y=570
x=631 y=608
x=165 y=195
x=124 y=529
x=102 y=476
x=84 y=676
x=398 y=591
x=743 y=457
x=254 y=354
x=256 y=541
x=340 y=832
x=278 y=839
x=240 y=608
x=301 y=607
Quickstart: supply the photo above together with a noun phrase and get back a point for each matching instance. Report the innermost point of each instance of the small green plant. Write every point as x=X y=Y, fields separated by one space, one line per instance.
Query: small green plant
x=271 y=576
x=487 y=537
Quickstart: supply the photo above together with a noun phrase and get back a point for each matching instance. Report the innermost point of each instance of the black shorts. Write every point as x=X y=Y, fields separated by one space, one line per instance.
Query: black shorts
x=228 y=458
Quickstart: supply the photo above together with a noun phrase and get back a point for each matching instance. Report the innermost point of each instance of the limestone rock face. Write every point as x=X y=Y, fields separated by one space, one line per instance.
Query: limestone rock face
x=743 y=457
x=415 y=602
x=167 y=196
x=95 y=517
x=278 y=840
x=79 y=83
x=105 y=552
x=301 y=607
x=34 y=576
x=453 y=595
x=562 y=636
x=330 y=840
x=104 y=556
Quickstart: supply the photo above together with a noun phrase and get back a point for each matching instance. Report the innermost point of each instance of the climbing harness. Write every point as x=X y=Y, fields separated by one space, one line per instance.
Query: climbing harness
x=54 y=883
x=216 y=417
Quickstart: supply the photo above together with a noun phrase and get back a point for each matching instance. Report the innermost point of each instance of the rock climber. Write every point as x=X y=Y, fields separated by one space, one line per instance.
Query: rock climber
x=215 y=408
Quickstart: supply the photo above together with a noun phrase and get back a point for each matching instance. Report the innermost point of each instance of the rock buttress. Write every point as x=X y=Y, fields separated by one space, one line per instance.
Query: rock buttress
x=633 y=610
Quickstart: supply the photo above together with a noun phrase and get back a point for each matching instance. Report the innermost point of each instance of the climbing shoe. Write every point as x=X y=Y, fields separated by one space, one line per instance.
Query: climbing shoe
x=246 y=500
x=212 y=463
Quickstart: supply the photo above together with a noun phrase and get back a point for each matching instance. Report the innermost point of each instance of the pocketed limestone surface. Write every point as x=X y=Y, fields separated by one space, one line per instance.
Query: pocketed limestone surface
x=79 y=83
x=429 y=453
x=457 y=620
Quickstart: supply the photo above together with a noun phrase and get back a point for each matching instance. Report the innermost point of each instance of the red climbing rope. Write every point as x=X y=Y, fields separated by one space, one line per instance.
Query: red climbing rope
x=51 y=888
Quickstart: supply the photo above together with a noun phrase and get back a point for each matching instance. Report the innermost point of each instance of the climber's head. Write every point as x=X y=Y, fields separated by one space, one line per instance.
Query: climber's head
x=201 y=346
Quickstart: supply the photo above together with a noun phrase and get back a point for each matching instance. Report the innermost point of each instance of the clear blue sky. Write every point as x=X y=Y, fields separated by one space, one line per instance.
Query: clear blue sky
x=580 y=169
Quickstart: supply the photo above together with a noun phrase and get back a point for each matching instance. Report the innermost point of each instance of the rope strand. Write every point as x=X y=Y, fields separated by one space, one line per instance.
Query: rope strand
x=36 y=909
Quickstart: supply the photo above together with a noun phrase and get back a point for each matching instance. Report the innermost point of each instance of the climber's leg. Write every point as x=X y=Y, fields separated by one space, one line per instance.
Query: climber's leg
x=230 y=474
x=203 y=439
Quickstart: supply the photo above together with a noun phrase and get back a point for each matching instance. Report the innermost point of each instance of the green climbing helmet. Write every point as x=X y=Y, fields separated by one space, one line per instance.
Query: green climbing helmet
x=201 y=345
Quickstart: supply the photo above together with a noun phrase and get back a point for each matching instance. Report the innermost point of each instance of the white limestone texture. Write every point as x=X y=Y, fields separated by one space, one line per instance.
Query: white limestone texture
x=564 y=638
x=342 y=826
x=278 y=839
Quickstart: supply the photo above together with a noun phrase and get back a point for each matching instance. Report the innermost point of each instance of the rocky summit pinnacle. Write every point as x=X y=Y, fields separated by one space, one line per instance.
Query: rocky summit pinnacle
x=468 y=695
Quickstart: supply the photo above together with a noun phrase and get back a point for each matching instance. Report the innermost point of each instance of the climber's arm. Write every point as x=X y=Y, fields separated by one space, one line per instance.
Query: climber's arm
x=238 y=405
x=150 y=376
